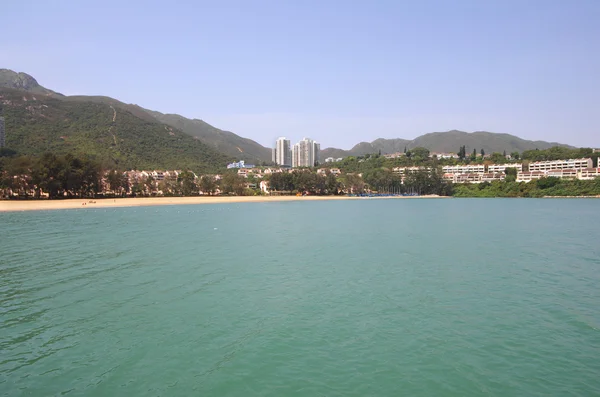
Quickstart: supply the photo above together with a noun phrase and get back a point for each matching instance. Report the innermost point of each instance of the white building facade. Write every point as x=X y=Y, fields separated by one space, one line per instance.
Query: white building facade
x=282 y=152
x=503 y=167
x=577 y=164
x=464 y=169
x=305 y=153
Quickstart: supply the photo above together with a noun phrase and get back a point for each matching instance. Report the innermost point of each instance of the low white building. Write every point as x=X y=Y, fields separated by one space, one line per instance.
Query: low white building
x=464 y=169
x=503 y=167
x=493 y=176
x=569 y=173
x=561 y=164
x=587 y=174
x=468 y=178
x=406 y=170
x=529 y=176
x=440 y=156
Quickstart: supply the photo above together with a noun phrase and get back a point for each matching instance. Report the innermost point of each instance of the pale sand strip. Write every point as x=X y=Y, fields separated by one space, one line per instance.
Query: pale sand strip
x=33 y=205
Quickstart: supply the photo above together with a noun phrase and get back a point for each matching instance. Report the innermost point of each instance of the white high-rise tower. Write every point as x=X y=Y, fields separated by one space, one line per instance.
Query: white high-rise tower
x=306 y=153
x=282 y=154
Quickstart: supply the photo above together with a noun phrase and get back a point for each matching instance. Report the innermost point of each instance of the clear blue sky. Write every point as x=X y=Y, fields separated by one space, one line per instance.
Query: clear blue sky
x=339 y=72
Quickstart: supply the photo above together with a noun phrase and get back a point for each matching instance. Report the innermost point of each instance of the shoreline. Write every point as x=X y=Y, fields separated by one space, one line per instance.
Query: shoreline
x=46 y=205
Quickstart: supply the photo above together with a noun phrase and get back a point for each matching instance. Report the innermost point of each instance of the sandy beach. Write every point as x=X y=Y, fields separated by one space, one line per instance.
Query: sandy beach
x=40 y=205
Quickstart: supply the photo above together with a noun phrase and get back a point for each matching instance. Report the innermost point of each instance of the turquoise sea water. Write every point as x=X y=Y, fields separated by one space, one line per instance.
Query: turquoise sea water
x=356 y=298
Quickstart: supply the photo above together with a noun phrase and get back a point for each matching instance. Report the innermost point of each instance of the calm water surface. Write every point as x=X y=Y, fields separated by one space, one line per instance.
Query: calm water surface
x=355 y=298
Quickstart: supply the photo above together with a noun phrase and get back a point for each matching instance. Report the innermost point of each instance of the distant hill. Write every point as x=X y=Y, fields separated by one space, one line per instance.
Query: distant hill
x=449 y=141
x=103 y=129
x=198 y=143
x=223 y=141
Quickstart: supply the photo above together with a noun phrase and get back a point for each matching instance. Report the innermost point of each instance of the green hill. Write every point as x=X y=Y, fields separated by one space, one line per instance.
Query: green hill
x=110 y=133
x=449 y=141
x=223 y=141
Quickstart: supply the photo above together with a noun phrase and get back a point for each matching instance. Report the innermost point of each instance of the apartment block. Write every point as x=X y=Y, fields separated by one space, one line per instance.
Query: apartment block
x=528 y=176
x=503 y=167
x=589 y=173
x=305 y=153
x=464 y=169
x=561 y=164
x=282 y=152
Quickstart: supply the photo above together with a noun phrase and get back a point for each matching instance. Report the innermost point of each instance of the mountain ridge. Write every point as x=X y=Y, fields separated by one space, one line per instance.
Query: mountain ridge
x=448 y=141
x=235 y=146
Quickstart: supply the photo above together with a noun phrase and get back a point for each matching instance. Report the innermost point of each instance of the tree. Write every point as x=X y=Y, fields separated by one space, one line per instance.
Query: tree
x=208 y=184
x=482 y=153
x=233 y=183
x=515 y=155
x=511 y=174
x=187 y=180
x=281 y=182
x=546 y=183
x=331 y=184
x=504 y=153
x=149 y=184
x=420 y=153
x=353 y=183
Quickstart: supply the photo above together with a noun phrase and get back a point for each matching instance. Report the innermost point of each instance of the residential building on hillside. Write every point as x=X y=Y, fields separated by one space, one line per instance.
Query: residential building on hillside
x=240 y=164
x=282 y=152
x=503 y=167
x=468 y=178
x=589 y=173
x=2 y=133
x=405 y=170
x=474 y=177
x=444 y=155
x=492 y=176
x=464 y=169
x=329 y=160
x=561 y=164
x=567 y=173
x=528 y=176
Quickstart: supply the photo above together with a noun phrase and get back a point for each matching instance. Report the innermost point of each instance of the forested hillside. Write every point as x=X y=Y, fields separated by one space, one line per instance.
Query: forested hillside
x=114 y=136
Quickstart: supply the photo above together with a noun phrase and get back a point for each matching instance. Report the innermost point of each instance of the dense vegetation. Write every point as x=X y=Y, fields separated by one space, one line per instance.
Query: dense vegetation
x=550 y=186
x=223 y=141
x=560 y=153
x=44 y=124
x=58 y=176
x=68 y=176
